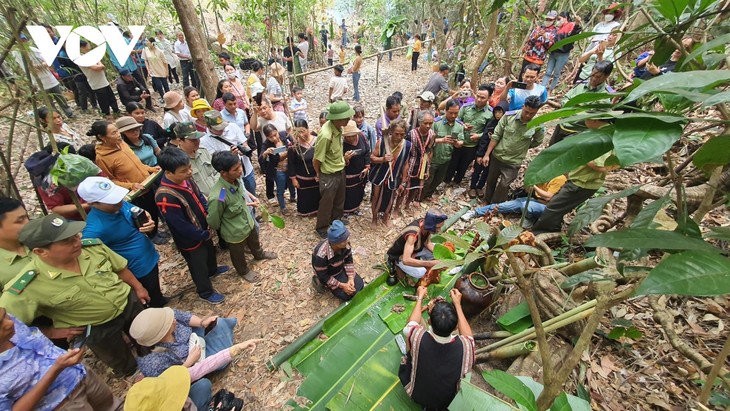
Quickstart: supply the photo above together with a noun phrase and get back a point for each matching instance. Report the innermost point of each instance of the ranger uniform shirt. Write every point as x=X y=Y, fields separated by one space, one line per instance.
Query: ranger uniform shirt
x=478 y=118
x=94 y=297
x=228 y=211
x=442 y=152
x=11 y=263
x=514 y=139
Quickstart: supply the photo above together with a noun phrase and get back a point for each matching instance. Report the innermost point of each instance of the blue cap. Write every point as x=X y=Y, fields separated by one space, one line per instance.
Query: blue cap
x=337 y=232
x=124 y=72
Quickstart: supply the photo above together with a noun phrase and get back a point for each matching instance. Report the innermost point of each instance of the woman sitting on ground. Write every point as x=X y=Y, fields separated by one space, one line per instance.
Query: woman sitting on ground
x=181 y=338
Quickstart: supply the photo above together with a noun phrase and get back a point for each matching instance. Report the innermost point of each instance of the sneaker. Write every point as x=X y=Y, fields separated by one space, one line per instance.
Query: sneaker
x=160 y=239
x=285 y=212
x=317 y=285
x=251 y=276
x=472 y=193
x=267 y=255
x=220 y=270
x=215 y=298
x=469 y=215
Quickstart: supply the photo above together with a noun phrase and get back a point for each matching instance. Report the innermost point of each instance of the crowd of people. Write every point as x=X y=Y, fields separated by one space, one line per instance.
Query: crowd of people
x=96 y=283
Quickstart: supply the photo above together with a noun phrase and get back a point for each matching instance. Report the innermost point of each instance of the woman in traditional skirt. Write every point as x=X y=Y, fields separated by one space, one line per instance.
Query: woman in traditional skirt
x=301 y=171
x=388 y=175
x=357 y=166
x=423 y=139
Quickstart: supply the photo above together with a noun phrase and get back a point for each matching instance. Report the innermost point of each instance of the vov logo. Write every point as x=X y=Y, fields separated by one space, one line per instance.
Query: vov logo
x=101 y=36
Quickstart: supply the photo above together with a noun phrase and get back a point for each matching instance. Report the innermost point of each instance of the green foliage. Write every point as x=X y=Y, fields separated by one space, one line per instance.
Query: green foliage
x=511 y=387
x=697 y=79
x=472 y=398
x=593 y=208
x=715 y=152
x=644 y=238
x=645 y=218
x=623 y=328
x=698 y=273
x=636 y=140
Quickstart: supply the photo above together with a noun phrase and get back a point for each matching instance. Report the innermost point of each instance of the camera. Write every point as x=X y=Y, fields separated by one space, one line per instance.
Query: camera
x=139 y=216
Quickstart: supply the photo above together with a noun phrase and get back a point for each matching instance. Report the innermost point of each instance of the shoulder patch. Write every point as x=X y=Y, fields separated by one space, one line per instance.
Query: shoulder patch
x=222 y=195
x=86 y=242
x=22 y=282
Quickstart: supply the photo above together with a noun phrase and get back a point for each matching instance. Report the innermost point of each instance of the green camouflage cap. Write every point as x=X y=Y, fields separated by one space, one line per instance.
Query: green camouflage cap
x=186 y=130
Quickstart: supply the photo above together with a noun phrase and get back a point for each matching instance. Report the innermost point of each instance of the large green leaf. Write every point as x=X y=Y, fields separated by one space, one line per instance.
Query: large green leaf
x=512 y=387
x=720 y=233
x=561 y=403
x=718 y=42
x=440 y=252
x=593 y=209
x=508 y=234
x=472 y=398
x=569 y=154
x=576 y=403
x=696 y=79
x=636 y=140
x=644 y=238
x=718 y=98
x=589 y=98
x=715 y=152
x=572 y=39
x=647 y=214
x=697 y=273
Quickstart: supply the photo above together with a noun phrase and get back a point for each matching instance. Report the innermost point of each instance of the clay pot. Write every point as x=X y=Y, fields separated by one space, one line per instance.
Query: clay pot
x=476 y=293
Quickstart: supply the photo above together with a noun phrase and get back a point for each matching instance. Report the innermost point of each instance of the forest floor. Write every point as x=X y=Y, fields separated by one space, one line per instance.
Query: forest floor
x=646 y=373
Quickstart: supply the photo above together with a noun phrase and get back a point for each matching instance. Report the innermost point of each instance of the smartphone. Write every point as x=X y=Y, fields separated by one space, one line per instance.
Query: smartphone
x=80 y=340
x=519 y=84
x=210 y=326
x=279 y=150
x=455 y=135
x=356 y=151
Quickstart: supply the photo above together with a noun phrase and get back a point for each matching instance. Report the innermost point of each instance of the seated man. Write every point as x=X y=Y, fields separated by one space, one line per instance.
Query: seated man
x=412 y=251
x=436 y=359
x=77 y=283
x=35 y=374
x=130 y=90
x=543 y=194
x=333 y=265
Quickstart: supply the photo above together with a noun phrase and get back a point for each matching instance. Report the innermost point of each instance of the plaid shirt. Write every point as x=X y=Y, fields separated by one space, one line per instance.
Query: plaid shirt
x=329 y=264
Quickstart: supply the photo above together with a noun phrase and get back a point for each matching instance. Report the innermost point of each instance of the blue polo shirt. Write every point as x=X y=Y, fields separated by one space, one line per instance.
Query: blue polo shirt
x=118 y=232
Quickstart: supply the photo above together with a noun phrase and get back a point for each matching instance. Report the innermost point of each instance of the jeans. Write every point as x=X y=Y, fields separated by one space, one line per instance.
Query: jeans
x=534 y=209
x=249 y=183
x=281 y=178
x=200 y=393
x=219 y=338
x=356 y=86
x=160 y=85
x=555 y=65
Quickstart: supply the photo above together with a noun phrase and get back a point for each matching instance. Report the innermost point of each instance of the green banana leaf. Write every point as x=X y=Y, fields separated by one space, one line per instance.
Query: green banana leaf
x=472 y=398
x=356 y=366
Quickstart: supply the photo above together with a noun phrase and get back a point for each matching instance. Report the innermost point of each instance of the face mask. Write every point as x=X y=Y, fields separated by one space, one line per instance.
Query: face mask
x=549 y=22
x=608 y=18
x=231 y=75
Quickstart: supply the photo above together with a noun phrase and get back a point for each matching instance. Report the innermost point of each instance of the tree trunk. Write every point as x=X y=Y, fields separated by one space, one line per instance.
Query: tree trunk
x=486 y=46
x=197 y=40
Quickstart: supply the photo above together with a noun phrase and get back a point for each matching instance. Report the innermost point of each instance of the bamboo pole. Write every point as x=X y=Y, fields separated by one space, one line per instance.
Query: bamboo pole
x=581 y=266
x=576 y=314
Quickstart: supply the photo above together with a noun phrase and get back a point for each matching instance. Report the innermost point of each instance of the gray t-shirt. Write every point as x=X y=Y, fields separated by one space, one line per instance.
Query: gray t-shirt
x=280 y=121
x=436 y=83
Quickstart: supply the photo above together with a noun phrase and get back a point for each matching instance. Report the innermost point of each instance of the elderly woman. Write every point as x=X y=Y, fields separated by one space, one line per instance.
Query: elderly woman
x=144 y=146
x=179 y=338
x=388 y=175
x=423 y=140
x=301 y=170
x=357 y=165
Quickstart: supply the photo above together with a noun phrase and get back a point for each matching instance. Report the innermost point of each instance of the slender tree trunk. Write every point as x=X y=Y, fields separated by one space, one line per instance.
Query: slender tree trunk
x=486 y=46
x=197 y=40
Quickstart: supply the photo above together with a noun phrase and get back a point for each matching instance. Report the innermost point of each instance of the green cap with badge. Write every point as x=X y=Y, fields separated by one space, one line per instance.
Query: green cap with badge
x=214 y=120
x=47 y=230
x=186 y=130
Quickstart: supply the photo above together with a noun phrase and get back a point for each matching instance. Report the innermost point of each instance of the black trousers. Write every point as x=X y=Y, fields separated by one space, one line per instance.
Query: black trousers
x=106 y=99
x=151 y=283
x=340 y=293
x=172 y=73
x=479 y=176
x=569 y=197
x=461 y=159
x=107 y=342
x=559 y=135
x=188 y=73
x=414 y=60
x=86 y=95
x=202 y=264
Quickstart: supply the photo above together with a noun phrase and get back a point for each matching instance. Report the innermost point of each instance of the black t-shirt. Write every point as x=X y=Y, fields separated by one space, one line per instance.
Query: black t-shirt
x=287 y=54
x=396 y=250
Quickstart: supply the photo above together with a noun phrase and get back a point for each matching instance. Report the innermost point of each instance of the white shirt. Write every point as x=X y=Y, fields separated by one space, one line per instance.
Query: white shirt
x=602 y=30
x=96 y=79
x=280 y=121
x=171 y=118
x=182 y=48
x=166 y=47
x=338 y=86
x=231 y=133
x=304 y=48
x=48 y=80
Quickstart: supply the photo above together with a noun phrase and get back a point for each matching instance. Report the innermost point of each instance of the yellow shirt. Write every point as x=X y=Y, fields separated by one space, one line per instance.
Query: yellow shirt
x=94 y=297
x=417 y=46
x=552 y=186
x=342 y=56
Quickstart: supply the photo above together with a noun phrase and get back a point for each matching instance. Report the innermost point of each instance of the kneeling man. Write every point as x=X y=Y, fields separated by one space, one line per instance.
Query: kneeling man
x=412 y=251
x=333 y=265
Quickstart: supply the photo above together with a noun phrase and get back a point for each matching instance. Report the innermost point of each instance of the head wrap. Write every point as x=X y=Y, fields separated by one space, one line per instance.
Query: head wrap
x=432 y=219
x=337 y=232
